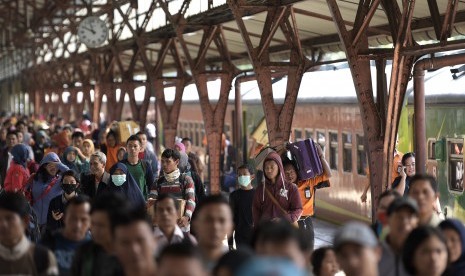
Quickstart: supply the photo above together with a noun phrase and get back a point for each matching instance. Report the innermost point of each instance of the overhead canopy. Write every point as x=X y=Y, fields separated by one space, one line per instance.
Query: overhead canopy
x=45 y=31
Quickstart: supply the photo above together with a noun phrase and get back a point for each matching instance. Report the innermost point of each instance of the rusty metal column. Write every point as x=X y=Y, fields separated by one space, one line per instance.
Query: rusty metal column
x=419 y=120
x=239 y=123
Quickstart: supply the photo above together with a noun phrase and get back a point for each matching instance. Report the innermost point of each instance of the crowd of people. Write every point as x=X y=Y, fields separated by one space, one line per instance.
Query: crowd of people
x=74 y=204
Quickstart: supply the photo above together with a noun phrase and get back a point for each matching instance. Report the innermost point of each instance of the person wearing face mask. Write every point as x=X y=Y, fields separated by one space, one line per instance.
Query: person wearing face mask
x=121 y=181
x=69 y=184
x=241 y=204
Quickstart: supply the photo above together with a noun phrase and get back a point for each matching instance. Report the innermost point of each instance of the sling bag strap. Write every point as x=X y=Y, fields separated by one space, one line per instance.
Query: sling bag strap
x=275 y=201
x=47 y=190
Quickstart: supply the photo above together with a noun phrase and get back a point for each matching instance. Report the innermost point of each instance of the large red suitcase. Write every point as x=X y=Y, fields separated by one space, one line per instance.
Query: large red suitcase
x=306 y=158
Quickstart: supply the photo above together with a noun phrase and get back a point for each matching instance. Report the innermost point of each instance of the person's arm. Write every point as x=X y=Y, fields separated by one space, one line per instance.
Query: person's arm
x=295 y=203
x=363 y=198
x=230 y=235
x=149 y=179
x=154 y=165
x=189 y=197
x=324 y=163
x=400 y=188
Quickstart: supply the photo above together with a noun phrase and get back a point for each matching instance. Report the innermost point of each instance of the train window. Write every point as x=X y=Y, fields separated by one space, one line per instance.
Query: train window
x=202 y=133
x=347 y=152
x=191 y=133
x=455 y=165
x=361 y=155
x=333 y=156
x=308 y=134
x=431 y=152
x=297 y=135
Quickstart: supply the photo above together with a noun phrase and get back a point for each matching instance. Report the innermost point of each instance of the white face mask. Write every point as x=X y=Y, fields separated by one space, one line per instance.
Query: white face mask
x=244 y=180
x=118 y=180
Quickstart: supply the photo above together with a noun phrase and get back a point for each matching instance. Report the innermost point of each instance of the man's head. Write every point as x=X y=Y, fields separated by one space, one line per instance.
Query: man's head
x=77 y=139
x=133 y=145
x=424 y=189
x=290 y=171
x=104 y=208
x=143 y=139
x=244 y=176
x=187 y=143
x=357 y=250
x=134 y=241
x=166 y=212
x=181 y=260
x=402 y=219
x=212 y=221
x=11 y=139
x=281 y=239
x=77 y=218
x=14 y=217
x=69 y=182
x=97 y=163
x=170 y=160
x=385 y=199
x=21 y=126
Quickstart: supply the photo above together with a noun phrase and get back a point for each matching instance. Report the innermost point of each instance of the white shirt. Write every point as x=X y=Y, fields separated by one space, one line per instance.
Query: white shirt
x=178 y=237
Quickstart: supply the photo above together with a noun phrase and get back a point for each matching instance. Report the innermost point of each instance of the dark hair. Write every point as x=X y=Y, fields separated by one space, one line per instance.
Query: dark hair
x=77 y=134
x=112 y=133
x=209 y=200
x=111 y=203
x=129 y=216
x=387 y=193
x=233 y=260
x=180 y=250
x=186 y=139
x=414 y=240
x=163 y=197
x=12 y=132
x=70 y=173
x=278 y=232
x=171 y=153
x=141 y=133
x=77 y=200
x=407 y=156
x=245 y=167
x=134 y=137
x=14 y=202
x=318 y=257
x=424 y=177
x=20 y=122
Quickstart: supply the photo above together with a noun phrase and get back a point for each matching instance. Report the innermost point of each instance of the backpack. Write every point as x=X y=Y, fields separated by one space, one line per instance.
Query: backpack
x=200 y=193
x=181 y=181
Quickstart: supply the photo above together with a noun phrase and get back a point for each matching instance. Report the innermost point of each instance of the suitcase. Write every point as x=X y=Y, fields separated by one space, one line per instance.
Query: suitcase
x=306 y=158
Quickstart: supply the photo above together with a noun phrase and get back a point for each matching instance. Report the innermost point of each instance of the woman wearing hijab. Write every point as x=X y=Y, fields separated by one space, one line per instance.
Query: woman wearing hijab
x=70 y=159
x=454 y=231
x=45 y=186
x=179 y=147
x=87 y=150
x=121 y=181
x=276 y=198
x=184 y=165
x=18 y=174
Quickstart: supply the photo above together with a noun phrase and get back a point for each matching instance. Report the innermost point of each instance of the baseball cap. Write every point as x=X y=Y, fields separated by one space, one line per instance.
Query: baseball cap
x=402 y=202
x=355 y=232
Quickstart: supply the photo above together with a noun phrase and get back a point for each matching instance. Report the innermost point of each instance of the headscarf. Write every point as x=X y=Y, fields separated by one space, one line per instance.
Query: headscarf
x=458 y=267
x=181 y=146
x=91 y=143
x=130 y=189
x=20 y=154
x=71 y=165
x=184 y=165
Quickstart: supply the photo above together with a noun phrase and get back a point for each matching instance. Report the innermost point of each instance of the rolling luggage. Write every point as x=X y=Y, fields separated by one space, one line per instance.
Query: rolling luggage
x=306 y=158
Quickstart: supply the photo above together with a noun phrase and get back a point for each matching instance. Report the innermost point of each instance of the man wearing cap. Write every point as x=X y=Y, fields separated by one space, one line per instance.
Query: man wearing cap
x=402 y=219
x=19 y=256
x=357 y=250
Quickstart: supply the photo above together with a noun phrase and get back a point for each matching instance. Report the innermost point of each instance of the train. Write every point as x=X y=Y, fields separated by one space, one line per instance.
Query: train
x=327 y=111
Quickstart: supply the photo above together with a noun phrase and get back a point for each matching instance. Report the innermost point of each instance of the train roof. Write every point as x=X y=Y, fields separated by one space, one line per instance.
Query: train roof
x=336 y=86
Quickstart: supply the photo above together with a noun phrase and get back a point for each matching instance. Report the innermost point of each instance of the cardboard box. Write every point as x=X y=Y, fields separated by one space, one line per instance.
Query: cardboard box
x=126 y=129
